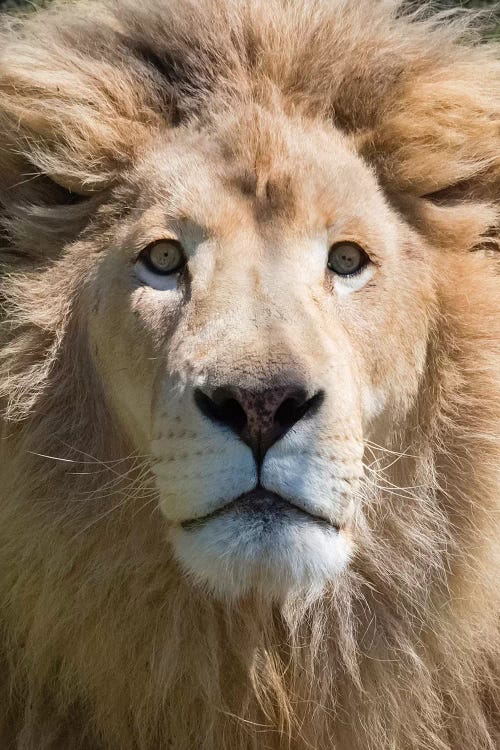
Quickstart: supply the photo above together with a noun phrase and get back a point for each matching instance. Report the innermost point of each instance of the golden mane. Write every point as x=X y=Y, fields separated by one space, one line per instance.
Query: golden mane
x=105 y=644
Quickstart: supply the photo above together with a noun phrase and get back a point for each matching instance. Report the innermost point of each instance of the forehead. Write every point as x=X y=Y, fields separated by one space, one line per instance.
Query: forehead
x=265 y=169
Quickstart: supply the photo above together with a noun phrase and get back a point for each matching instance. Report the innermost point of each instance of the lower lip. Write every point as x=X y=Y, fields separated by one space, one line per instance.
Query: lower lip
x=261 y=502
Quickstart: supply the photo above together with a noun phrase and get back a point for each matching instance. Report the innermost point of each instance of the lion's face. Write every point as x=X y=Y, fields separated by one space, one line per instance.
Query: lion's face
x=259 y=312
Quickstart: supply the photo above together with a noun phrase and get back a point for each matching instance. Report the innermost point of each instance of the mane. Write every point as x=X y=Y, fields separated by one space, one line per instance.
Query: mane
x=402 y=651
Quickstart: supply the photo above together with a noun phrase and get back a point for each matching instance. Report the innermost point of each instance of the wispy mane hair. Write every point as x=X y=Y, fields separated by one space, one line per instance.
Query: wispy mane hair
x=403 y=652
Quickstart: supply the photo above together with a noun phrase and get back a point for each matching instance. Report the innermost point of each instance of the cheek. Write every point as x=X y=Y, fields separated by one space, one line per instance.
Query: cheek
x=126 y=360
x=392 y=349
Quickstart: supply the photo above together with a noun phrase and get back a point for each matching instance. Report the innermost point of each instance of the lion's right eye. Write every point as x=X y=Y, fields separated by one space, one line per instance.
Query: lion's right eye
x=164 y=257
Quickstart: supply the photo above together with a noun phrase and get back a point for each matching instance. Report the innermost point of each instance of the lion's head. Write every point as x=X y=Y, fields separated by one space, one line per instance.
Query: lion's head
x=239 y=281
x=256 y=310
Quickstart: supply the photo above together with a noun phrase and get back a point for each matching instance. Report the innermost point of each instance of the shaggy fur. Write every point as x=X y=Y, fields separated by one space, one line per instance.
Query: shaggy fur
x=105 y=643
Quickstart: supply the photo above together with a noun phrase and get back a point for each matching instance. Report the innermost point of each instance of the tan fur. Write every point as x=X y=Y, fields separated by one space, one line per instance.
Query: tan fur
x=106 y=642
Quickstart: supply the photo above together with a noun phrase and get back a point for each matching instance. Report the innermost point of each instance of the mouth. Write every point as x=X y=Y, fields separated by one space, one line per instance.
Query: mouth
x=269 y=506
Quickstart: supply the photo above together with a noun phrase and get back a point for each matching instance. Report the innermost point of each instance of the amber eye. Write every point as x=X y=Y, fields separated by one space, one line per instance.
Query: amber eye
x=346 y=258
x=163 y=257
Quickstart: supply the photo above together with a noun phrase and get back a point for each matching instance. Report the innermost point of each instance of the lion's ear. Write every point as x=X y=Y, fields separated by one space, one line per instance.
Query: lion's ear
x=437 y=150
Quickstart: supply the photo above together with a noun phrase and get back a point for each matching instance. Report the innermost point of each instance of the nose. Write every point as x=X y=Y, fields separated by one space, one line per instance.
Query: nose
x=259 y=418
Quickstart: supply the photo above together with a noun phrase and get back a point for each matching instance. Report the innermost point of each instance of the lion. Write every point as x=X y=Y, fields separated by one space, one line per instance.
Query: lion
x=249 y=377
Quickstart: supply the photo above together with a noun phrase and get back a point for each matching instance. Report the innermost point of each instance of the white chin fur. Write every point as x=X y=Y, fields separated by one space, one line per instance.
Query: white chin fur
x=278 y=556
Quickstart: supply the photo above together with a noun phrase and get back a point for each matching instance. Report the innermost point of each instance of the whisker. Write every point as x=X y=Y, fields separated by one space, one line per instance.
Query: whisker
x=370 y=444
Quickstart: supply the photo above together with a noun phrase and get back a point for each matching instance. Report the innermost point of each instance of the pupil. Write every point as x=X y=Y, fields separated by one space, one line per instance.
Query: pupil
x=349 y=260
x=345 y=259
x=165 y=258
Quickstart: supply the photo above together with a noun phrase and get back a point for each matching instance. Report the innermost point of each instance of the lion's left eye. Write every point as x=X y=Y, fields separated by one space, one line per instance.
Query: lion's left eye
x=346 y=258
x=163 y=257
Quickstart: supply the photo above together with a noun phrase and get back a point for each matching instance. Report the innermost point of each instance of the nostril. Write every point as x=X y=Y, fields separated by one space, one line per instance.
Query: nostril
x=221 y=406
x=294 y=408
x=288 y=412
x=312 y=405
x=230 y=412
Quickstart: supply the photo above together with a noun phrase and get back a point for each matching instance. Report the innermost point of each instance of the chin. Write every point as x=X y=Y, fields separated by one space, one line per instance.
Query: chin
x=264 y=546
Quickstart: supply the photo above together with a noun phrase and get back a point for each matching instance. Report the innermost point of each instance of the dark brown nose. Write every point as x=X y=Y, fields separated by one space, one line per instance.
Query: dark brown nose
x=259 y=418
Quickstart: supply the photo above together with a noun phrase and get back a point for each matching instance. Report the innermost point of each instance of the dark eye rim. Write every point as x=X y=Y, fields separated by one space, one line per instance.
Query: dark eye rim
x=145 y=257
x=364 y=256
